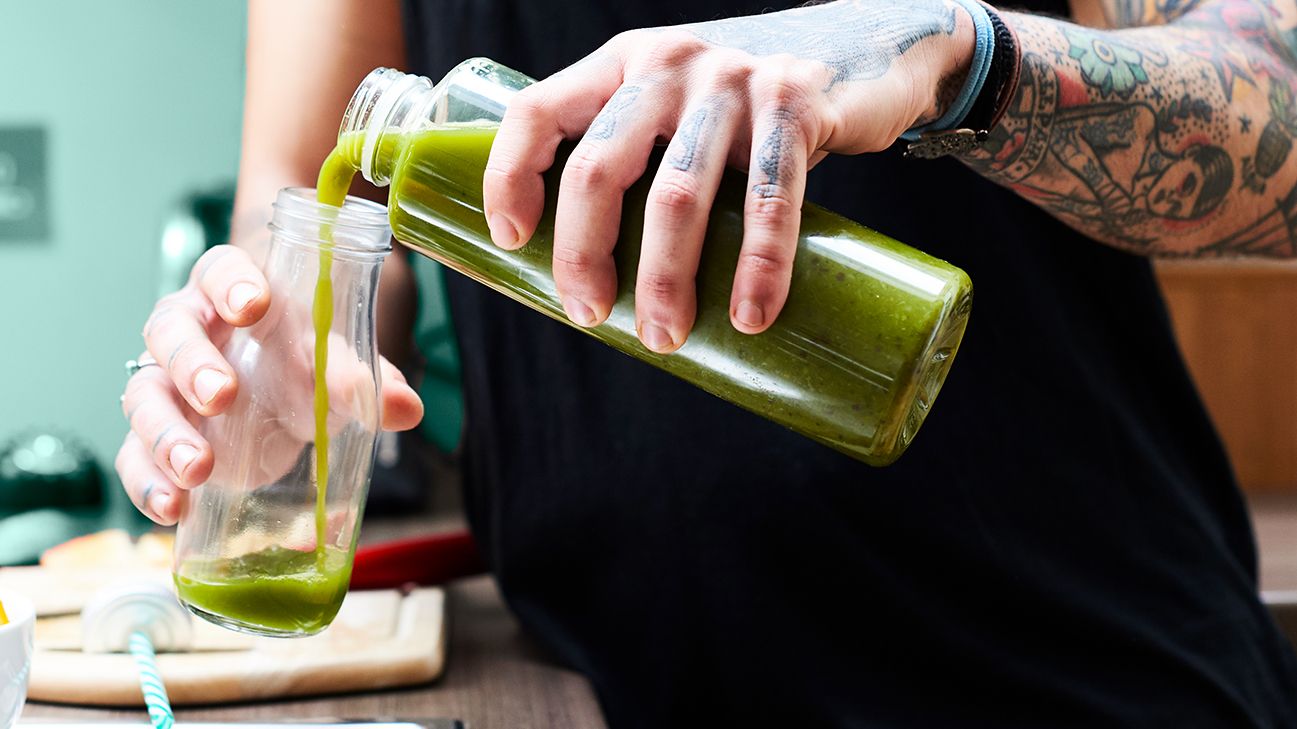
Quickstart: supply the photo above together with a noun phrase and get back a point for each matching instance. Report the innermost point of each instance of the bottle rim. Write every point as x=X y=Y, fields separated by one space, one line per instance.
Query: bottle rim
x=371 y=108
x=359 y=226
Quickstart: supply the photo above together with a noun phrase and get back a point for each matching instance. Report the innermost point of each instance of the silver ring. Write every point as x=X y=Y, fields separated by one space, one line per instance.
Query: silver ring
x=135 y=365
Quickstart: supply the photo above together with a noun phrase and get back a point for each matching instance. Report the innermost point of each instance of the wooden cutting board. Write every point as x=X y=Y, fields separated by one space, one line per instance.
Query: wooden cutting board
x=380 y=639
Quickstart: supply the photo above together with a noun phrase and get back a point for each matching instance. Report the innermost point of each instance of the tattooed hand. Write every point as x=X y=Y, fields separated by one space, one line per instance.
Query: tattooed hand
x=771 y=94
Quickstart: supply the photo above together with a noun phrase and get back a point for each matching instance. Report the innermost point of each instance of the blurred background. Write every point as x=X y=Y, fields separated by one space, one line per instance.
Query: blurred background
x=126 y=124
x=113 y=115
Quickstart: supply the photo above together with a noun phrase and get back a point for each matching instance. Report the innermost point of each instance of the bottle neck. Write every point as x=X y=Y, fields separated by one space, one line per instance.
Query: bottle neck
x=386 y=104
x=389 y=105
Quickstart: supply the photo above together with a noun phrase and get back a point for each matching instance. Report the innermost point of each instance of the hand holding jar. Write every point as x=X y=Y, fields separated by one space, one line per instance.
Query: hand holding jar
x=223 y=428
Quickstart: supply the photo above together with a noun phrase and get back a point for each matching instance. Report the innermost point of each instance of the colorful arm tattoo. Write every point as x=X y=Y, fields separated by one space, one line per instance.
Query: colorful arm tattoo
x=1172 y=140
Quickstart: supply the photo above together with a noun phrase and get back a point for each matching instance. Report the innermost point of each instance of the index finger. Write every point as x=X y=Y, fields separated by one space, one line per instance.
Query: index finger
x=538 y=119
x=177 y=336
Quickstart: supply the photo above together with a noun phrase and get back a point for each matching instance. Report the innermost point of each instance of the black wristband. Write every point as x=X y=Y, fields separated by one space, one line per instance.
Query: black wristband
x=982 y=115
x=1001 y=82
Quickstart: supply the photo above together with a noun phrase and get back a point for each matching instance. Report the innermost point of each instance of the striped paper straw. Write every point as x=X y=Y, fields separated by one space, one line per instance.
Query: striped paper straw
x=155 y=694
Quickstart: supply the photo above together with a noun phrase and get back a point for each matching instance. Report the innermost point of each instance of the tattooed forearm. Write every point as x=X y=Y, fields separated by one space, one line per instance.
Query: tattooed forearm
x=1140 y=13
x=1146 y=138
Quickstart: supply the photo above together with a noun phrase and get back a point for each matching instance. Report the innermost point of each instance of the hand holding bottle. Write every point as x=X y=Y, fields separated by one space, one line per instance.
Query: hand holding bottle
x=771 y=94
x=164 y=451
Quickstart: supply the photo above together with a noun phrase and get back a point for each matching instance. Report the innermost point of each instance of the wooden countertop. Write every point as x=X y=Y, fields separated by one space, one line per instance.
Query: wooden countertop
x=495 y=677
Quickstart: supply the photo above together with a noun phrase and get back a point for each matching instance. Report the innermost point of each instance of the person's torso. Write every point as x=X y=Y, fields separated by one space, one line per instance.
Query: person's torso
x=1063 y=543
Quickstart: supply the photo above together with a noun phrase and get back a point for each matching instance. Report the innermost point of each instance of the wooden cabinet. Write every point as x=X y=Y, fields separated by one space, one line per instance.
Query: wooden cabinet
x=1237 y=326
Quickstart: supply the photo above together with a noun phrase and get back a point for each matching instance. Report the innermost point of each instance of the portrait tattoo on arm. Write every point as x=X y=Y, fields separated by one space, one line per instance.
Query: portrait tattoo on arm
x=1144 y=138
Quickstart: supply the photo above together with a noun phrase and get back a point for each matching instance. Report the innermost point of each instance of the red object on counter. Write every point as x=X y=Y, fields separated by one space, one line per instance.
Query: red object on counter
x=431 y=560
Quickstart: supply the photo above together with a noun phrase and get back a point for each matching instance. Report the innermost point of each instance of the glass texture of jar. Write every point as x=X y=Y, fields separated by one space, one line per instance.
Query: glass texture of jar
x=257 y=549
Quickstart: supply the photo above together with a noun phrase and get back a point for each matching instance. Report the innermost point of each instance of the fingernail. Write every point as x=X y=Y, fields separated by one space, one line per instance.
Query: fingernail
x=241 y=295
x=578 y=312
x=208 y=383
x=503 y=233
x=182 y=454
x=749 y=314
x=159 y=503
x=656 y=338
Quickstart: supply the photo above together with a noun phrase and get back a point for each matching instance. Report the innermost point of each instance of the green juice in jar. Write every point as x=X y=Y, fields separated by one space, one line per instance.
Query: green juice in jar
x=287 y=591
x=280 y=590
x=853 y=361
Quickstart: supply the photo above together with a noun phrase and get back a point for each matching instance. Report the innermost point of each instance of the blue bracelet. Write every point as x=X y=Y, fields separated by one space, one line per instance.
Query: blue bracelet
x=978 y=70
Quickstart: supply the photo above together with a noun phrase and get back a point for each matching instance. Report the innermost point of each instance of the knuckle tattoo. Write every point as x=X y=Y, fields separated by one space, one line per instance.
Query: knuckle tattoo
x=684 y=153
x=158 y=440
x=181 y=346
x=774 y=162
x=145 y=493
x=605 y=124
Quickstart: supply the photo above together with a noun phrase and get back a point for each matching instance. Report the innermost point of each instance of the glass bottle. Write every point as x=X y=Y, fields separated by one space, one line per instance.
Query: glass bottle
x=255 y=550
x=855 y=358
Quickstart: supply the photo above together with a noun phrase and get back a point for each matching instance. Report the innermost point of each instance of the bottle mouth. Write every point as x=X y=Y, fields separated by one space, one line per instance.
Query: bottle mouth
x=359 y=226
x=381 y=101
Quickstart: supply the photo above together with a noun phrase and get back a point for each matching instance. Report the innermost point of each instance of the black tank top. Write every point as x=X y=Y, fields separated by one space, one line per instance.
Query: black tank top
x=1063 y=545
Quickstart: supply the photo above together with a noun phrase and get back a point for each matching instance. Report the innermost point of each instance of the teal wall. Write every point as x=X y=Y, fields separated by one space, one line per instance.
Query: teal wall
x=141 y=100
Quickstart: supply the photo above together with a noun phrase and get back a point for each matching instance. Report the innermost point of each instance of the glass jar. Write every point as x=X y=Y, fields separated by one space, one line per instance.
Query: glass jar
x=854 y=360
x=263 y=546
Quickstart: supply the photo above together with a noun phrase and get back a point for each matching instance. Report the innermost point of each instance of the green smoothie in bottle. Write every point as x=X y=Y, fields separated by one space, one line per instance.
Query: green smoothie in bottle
x=854 y=360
